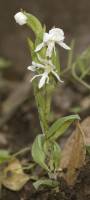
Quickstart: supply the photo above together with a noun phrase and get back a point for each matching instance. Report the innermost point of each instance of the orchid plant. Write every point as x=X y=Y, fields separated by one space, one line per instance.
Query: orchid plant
x=45 y=67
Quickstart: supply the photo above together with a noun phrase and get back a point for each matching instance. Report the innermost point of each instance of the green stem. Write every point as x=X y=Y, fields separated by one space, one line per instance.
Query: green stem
x=47 y=108
x=43 y=100
x=22 y=151
x=85 y=73
x=78 y=79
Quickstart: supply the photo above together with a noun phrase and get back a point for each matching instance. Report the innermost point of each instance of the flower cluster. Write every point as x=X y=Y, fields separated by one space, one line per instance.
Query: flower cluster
x=55 y=36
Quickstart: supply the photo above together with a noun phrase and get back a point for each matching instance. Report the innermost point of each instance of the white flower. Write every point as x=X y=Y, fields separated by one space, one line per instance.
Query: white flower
x=20 y=18
x=55 y=35
x=47 y=68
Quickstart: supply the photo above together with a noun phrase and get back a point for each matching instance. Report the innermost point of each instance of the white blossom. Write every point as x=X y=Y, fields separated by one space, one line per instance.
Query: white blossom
x=20 y=18
x=47 y=69
x=55 y=35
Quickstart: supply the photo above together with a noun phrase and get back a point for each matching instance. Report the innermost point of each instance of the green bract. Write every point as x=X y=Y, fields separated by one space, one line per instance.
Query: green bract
x=34 y=24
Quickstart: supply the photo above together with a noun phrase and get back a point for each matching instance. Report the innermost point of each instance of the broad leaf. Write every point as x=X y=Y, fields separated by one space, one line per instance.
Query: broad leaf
x=55 y=156
x=60 y=126
x=38 y=153
x=45 y=182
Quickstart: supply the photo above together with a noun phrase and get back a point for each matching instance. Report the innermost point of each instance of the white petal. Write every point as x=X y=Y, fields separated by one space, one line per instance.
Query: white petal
x=56 y=34
x=32 y=68
x=62 y=44
x=46 y=37
x=20 y=18
x=39 y=47
x=37 y=65
x=35 y=77
x=43 y=80
x=56 y=75
x=50 y=49
x=56 y=31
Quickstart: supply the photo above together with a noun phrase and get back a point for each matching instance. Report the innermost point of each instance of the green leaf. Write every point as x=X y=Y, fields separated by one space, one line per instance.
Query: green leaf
x=60 y=126
x=55 y=156
x=38 y=153
x=45 y=182
x=34 y=24
x=4 y=155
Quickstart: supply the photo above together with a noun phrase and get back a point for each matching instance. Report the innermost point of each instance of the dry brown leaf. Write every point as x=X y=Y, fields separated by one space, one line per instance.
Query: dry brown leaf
x=73 y=155
x=14 y=177
x=86 y=129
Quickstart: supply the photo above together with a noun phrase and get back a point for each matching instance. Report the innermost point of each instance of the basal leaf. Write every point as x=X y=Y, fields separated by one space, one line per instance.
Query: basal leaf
x=38 y=153
x=60 y=126
x=55 y=156
x=45 y=182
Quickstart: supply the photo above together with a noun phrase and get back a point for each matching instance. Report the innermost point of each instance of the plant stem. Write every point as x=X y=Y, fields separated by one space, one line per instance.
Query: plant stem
x=78 y=79
x=42 y=98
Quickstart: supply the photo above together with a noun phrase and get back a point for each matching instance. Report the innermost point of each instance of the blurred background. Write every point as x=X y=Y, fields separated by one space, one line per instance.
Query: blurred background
x=71 y=15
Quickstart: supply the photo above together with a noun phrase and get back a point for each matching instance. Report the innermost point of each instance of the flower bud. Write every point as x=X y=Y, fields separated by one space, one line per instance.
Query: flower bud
x=20 y=18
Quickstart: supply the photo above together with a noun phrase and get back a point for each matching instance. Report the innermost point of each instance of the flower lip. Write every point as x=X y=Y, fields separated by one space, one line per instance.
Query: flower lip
x=20 y=18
